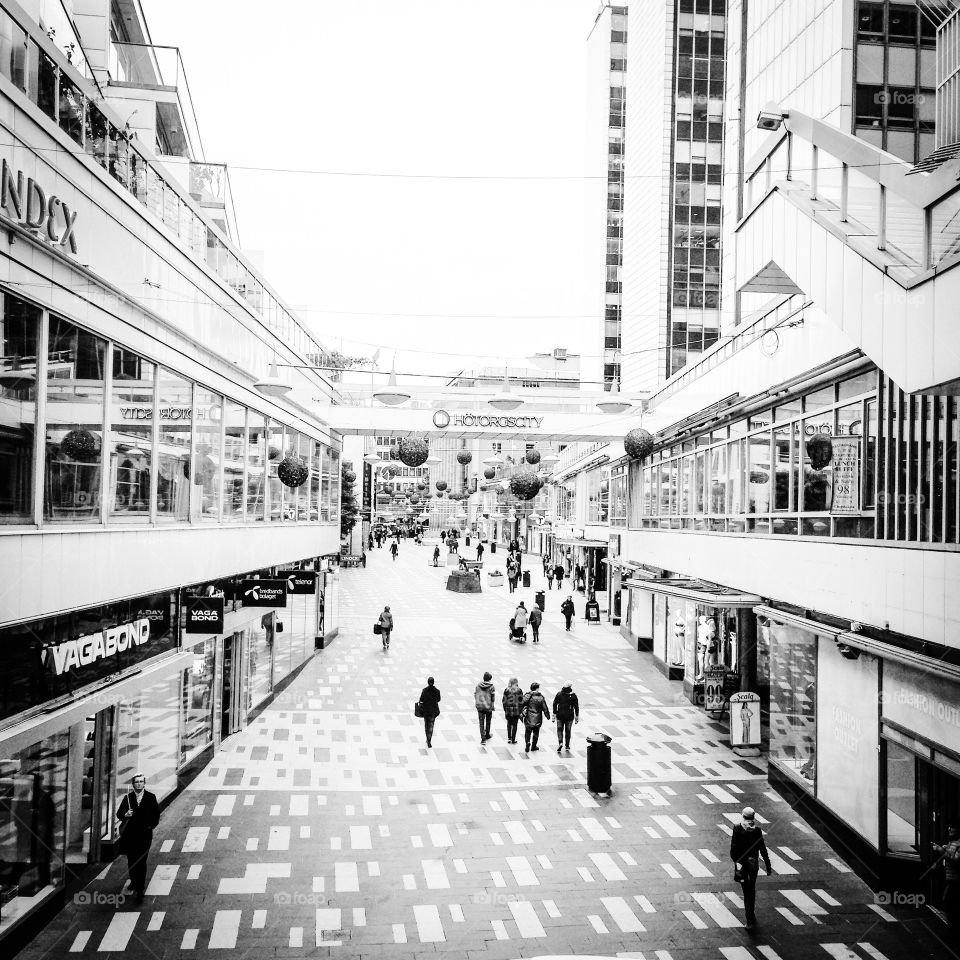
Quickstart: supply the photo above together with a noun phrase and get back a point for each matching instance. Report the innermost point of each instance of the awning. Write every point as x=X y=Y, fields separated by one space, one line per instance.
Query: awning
x=700 y=591
x=910 y=658
x=795 y=620
x=572 y=542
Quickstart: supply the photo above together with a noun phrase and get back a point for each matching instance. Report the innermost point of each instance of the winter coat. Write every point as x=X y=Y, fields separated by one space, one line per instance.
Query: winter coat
x=567 y=608
x=746 y=844
x=386 y=620
x=534 y=708
x=484 y=696
x=520 y=618
x=512 y=698
x=536 y=617
x=566 y=706
x=436 y=553
x=558 y=571
x=430 y=699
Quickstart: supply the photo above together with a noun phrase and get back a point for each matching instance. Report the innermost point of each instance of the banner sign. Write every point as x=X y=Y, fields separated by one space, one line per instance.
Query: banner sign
x=205 y=615
x=713 y=687
x=745 y=720
x=846 y=475
x=301 y=582
x=71 y=654
x=263 y=593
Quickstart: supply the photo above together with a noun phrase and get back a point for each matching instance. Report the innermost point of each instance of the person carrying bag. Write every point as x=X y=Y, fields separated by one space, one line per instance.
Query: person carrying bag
x=747 y=846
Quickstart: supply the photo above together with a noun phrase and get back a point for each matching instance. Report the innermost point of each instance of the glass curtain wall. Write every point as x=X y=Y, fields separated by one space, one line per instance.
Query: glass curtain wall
x=131 y=436
x=205 y=470
x=234 y=458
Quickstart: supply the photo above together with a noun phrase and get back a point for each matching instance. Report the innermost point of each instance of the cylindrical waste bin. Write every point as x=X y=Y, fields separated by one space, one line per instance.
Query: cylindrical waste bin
x=467 y=539
x=598 y=763
x=526 y=578
x=493 y=547
x=540 y=599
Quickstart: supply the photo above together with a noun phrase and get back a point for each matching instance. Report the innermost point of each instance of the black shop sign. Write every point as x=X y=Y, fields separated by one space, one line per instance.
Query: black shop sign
x=205 y=615
x=302 y=582
x=263 y=593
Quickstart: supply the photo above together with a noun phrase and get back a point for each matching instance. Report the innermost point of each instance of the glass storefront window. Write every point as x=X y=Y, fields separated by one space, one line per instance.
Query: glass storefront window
x=259 y=647
x=782 y=443
x=76 y=368
x=234 y=456
x=205 y=472
x=735 y=484
x=718 y=479
x=699 y=483
x=33 y=813
x=901 y=799
x=275 y=448
x=196 y=690
x=296 y=496
x=18 y=401
x=793 y=701
x=758 y=479
x=316 y=472
x=256 y=465
x=334 y=486
x=175 y=405
x=131 y=436
x=147 y=729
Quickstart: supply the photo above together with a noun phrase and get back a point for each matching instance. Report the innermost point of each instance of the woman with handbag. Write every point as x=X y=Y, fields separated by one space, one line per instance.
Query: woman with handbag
x=746 y=848
x=428 y=707
x=385 y=625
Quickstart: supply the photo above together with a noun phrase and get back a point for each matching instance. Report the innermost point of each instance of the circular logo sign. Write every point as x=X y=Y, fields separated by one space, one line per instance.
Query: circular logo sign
x=441 y=419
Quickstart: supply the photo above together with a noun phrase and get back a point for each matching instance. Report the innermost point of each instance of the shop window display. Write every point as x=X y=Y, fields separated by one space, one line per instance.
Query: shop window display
x=259 y=647
x=147 y=729
x=256 y=465
x=901 y=799
x=175 y=397
x=131 y=436
x=196 y=690
x=205 y=468
x=793 y=700
x=234 y=428
x=76 y=367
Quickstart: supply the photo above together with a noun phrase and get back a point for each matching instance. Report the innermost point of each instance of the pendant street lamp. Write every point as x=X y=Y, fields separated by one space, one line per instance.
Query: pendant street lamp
x=432 y=461
x=495 y=461
x=391 y=395
x=505 y=400
x=549 y=460
x=271 y=385
x=372 y=458
x=616 y=403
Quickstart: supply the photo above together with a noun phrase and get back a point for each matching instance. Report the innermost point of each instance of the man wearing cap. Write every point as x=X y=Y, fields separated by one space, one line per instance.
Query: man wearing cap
x=746 y=848
x=139 y=814
x=566 y=710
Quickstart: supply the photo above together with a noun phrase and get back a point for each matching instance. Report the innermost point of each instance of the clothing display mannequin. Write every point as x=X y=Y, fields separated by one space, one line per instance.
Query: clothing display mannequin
x=679 y=641
x=706 y=645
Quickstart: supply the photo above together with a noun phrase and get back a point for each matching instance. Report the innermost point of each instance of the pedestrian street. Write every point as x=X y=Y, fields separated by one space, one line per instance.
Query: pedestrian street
x=326 y=828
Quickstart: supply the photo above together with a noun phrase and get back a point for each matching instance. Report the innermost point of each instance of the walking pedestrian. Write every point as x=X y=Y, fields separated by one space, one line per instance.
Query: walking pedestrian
x=430 y=708
x=363 y=559
x=746 y=848
x=568 y=611
x=479 y=551
x=950 y=852
x=483 y=696
x=547 y=566
x=139 y=814
x=370 y=541
x=566 y=711
x=520 y=617
x=436 y=555
x=533 y=708
x=536 y=617
x=558 y=575
x=512 y=573
x=512 y=698
x=549 y=575
x=394 y=549
x=386 y=627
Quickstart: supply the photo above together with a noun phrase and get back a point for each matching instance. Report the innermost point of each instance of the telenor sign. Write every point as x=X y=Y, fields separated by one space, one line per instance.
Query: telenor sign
x=71 y=654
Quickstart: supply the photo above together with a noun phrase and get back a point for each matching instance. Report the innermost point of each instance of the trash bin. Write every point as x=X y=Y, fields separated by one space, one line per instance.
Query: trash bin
x=598 y=763
x=493 y=547
x=467 y=538
x=526 y=578
x=540 y=599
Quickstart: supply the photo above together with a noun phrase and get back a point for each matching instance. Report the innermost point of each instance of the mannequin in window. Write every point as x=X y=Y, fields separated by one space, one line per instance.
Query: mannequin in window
x=679 y=641
x=706 y=645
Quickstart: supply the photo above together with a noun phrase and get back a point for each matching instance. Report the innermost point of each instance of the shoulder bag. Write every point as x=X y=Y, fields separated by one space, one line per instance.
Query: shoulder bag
x=378 y=629
x=418 y=709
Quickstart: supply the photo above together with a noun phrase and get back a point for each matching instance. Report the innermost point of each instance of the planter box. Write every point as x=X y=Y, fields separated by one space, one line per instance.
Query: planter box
x=495 y=579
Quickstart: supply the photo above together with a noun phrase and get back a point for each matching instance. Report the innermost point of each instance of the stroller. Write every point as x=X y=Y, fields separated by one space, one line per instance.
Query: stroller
x=520 y=636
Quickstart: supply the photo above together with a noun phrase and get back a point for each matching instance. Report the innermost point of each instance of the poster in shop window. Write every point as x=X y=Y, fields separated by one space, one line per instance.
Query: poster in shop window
x=846 y=475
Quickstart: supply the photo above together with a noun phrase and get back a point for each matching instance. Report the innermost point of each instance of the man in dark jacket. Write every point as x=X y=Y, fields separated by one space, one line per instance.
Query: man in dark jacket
x=479 y=551
x=536 y=618
x=533 y=709
x=567 y=609
x=566 y=711
x=430 y=704
x=483 y=696
x=139 y=814
x=558 y=573
x=747 y=846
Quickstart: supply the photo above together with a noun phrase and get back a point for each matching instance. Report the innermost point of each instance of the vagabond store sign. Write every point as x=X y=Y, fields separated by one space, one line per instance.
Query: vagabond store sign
x=85 y=650
x=26 y=201
x=442 y=419
x=205 y=615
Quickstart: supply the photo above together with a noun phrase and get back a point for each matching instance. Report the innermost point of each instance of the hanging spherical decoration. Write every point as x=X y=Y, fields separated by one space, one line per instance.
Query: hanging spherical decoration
x=346 y=464
x=292 y=472
x=421 y=486
x=440 y=495
x=79 y=445
x=349 y=476
x=819 y=450
x=533 y=456
x=489 y=473
x=413 y=451
x=273 y=453
x=414 y=498
x=464 y=457
x=388 y=488
x=638 y=443
x=525 y=484
x=390 y=471
x=441 y=485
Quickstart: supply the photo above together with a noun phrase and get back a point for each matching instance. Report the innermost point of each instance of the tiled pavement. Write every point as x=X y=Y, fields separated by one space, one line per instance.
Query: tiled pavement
x=327 y=829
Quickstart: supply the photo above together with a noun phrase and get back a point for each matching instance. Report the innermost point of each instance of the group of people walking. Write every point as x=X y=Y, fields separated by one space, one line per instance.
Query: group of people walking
x=521 y=618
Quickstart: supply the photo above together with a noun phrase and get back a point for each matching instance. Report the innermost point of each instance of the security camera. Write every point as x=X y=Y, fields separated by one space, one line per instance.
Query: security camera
x=769 y=120
x=847 y=652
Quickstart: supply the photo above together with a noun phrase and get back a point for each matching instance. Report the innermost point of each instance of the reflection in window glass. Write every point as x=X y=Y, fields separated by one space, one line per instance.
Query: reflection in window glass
x=205 y=471
x=275 y=447
x=901 y=799
x=131 y=435
x=74 y=448
x=334 y=486
x=256 y=465
x=147 y=729
x=793 y=701
x=817 y=471
x=234 y=427
x=735 y=484
x=196 y=715
x=259 y=641
x=718 y=479
x=18 y=407
x=782 y=440
x=758 y=479
x=316 y=467
x=173 y=454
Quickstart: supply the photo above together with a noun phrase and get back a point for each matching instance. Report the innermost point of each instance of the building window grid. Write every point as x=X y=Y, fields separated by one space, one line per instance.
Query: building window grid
x=909 y=483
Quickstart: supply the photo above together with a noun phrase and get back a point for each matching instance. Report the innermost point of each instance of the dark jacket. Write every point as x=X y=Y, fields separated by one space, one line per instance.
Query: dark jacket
x=138 y=830
x=558 y=571
x=567 y=608
x=430 y=699
x=512 y=698
x=534 y=708
x=566 y=706
x=746 y=843
x=386 y=620
x=536 y=616
x=484 y=695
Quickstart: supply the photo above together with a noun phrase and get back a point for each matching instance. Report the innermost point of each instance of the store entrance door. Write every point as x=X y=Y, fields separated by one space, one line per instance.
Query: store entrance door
x=231 y=714
x=90 y=787
x=938 y=804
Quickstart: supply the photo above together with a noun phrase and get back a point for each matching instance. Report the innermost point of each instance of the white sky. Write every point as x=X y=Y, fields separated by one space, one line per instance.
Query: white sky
x=450 y=87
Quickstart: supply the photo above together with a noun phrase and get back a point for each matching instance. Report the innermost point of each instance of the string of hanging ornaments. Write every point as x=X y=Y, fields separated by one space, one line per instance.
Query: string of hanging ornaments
x=639 y=443
x=292 y=472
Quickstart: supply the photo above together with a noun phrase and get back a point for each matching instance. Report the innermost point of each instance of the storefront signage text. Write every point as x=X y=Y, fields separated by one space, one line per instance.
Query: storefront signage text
x=205 y=615
x=169 y=413
x=263 y=593
x=71 y=654
x=847 y=729
x=442 y=420
x=302 y=582
x=26 y=201
x=846 y=475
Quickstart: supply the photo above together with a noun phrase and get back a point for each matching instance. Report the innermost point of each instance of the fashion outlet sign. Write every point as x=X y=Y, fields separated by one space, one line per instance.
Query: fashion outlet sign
x=96 y=646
